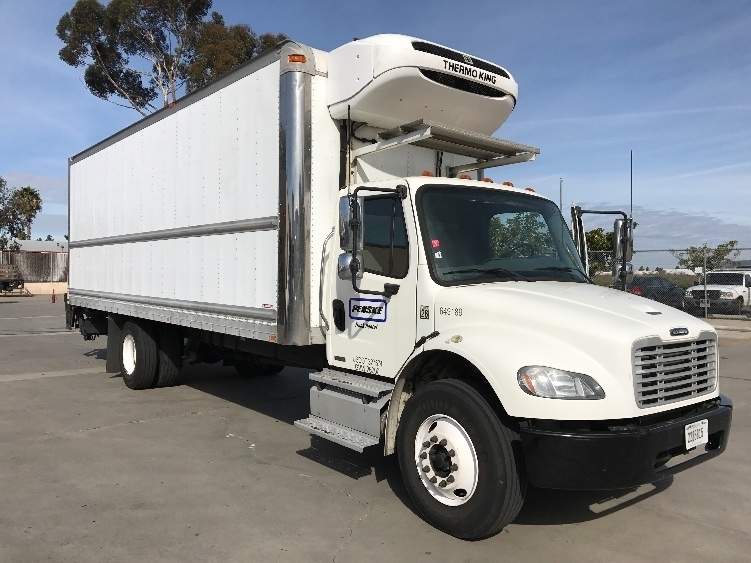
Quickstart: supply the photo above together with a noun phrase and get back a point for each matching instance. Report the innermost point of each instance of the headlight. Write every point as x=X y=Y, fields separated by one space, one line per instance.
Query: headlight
x=551 y=383
x=726 y=294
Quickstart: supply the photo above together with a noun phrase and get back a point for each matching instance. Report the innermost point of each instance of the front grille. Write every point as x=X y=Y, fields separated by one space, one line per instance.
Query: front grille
x=711 y=293
x=462 y=84
x=669 y=372
x=459 y=57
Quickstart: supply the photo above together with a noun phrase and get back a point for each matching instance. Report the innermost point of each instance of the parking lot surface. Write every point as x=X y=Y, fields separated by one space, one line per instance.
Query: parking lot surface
x=213 y=470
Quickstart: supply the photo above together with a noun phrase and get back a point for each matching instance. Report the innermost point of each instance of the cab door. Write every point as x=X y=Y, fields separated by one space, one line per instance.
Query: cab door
x=376 y=333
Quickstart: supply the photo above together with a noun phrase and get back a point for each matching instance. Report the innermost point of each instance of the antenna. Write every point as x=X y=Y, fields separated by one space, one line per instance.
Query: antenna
x=631 y=183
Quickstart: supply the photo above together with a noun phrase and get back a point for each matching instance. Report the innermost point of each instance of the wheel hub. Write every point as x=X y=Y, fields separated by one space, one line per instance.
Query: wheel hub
x=446 y=460
x=129 y=354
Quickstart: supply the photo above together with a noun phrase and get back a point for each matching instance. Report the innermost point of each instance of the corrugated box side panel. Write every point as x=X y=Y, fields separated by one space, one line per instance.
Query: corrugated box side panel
x=213 y=161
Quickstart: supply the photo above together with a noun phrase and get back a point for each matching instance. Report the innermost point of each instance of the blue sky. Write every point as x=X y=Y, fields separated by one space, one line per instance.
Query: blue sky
x=669 y=79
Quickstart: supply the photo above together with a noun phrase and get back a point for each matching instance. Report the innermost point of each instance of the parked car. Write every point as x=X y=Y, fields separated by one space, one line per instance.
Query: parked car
x=10 y=277
x=659 y=289
x=727 y=291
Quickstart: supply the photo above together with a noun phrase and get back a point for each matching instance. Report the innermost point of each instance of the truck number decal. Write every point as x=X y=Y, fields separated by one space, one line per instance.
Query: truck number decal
x=368 y=365
x=450 y=311
x=371 y=310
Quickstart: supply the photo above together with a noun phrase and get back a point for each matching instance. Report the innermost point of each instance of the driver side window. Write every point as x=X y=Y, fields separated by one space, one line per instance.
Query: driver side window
x=385 y=244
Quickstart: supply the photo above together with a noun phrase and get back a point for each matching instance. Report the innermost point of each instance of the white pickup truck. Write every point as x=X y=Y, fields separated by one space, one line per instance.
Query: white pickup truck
x=726 y=291
x=329 y=210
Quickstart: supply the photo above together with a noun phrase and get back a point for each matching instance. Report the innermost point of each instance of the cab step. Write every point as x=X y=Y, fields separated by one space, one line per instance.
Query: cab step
x=351 y=382
x=333 y=432
x=346 y=408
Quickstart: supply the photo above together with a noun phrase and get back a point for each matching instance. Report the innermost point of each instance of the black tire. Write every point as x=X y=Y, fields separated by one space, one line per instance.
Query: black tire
x=249 y=367
x=170 y=357
x=738 y=309
x=499 y=493
x=144 y=367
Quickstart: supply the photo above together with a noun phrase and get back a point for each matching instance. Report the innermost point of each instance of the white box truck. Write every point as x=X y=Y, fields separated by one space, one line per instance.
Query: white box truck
x=328 y=210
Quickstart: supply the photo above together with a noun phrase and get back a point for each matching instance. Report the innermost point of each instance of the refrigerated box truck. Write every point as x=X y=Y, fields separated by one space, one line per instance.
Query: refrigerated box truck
x=329 y=210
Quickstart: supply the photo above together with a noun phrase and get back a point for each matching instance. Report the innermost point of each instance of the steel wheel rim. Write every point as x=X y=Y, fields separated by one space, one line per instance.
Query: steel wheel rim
x=446 y=460
x=129 y=354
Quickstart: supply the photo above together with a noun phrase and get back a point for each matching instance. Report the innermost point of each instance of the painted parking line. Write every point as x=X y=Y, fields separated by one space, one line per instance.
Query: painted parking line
x=49 y=333
x=44 y=374
x=35 y=317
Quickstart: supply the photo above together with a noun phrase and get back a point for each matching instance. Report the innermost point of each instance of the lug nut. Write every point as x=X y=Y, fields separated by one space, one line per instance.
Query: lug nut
x=442 y=484
x=425 y=444
x=454 y=467
x=423 y=455
x=452 y=453
x=443 y=442
x=433 y=479
x=450 y=479
x=426 y=468
x=433 y=439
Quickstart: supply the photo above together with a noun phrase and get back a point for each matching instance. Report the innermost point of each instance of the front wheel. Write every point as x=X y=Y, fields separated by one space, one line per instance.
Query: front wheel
x=457 y=461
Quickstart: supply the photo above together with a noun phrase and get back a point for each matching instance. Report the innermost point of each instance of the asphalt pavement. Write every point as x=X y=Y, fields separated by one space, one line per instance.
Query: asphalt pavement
x=214 y=470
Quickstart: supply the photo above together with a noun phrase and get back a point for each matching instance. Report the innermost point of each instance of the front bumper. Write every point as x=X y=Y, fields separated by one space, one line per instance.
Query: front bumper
x=720 y=304
x=623 y=453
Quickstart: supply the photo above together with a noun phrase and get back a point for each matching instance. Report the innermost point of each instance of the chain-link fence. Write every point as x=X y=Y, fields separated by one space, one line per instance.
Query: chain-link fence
x=704 y=281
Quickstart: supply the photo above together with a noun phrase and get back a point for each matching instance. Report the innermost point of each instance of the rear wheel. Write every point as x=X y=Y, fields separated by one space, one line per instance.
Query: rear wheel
x=139 y=356
x=738 y=307
x=457 y=461
x=170 y=357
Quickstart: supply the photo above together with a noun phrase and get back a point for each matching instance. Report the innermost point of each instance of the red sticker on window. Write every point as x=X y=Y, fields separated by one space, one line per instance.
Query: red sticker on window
x=436 y=243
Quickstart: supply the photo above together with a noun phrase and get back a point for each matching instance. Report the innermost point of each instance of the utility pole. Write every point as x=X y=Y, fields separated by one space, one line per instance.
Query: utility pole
x=560 y=194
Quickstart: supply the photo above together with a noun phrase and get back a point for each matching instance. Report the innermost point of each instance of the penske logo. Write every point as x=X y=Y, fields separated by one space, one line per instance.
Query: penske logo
x=472 y=72
x=373 y=310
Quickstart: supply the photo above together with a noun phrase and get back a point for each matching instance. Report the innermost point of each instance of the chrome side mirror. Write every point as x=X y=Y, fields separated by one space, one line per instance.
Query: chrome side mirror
x=623 y=240
x=344 y=267
x=345 y=224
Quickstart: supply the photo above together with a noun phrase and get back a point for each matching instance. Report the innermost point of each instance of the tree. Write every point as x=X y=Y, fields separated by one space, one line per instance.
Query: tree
x=26 y=203
x=49 y=239
x=136 y=51
x=18 y=208
x=521 y=235
x=219 y=49
x=600 y=250
x=693 y=257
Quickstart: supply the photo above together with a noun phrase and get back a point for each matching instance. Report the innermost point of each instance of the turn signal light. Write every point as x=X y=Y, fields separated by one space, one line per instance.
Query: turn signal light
x=489 y=180
x=529 y=190
x=465 y=177
x=426 y=173
x=508 y=183
x=296 y=58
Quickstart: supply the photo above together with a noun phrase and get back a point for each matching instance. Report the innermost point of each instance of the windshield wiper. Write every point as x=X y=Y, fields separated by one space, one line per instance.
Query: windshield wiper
x=565 y=269
x=504 y=271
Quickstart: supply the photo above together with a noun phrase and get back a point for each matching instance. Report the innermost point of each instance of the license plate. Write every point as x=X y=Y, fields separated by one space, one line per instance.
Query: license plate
x=697 y=433
x=704 y=303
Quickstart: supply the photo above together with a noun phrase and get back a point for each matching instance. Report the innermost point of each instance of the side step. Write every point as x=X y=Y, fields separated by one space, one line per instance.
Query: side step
x=351 y=382
x=346 y=408
x=341 y=435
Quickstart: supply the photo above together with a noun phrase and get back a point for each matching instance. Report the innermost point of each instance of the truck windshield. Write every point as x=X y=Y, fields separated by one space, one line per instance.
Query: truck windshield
x=724 y=278
x=478 y=235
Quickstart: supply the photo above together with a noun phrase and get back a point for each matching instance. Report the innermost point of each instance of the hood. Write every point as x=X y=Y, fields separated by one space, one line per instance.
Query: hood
x=578 y=306
x=582 y=328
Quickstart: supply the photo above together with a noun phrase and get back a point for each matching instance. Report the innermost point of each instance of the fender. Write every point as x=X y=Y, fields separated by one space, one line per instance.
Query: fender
x=399 y=396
